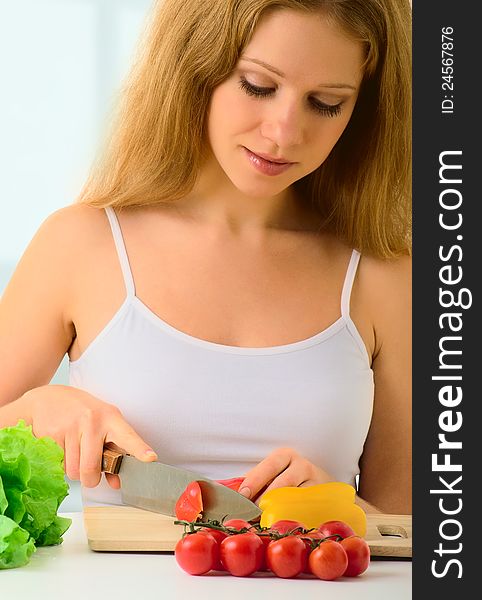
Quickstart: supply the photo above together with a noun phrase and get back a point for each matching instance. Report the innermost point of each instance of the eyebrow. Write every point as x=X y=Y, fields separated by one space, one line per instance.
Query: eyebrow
x=281 y=74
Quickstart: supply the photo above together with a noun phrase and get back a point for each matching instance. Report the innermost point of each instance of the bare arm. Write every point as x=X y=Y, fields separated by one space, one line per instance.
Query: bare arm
x=385 y=475
x=36 y=330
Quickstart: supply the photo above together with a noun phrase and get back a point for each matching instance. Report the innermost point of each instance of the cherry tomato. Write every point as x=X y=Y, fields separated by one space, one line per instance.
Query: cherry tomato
x=316 y=535
x=234 y=483
x=197 y=553
x=328 y=561
x=358 y=552
x=242 y=554
x=286 y=525
x=216 y=533
x=266 y=541
x=219 y=537
x=238 y=524
x=336 y=527
x=287 y=556
x=190 y=503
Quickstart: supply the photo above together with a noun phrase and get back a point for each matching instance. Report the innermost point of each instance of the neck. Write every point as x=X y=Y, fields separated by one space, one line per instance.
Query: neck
x=214 y=200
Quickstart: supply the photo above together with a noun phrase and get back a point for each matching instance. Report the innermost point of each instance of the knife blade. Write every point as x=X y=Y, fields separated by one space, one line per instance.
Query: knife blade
x=156 y=487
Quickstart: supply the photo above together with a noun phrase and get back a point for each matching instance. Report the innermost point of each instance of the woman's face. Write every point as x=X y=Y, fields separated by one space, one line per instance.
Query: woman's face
x=289 y=99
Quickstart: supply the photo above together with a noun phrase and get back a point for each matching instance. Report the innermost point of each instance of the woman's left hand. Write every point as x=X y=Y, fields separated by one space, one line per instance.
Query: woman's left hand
x=283 y=467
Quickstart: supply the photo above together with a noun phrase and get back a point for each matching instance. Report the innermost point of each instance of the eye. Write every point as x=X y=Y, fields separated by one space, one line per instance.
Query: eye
x=254 y=90
x=329 y=110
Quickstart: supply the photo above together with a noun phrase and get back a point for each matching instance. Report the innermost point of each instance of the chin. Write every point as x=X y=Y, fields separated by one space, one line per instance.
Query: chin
x=254 y=188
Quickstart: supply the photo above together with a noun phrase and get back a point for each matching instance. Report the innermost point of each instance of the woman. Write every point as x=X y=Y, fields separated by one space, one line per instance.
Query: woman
x=232 y=286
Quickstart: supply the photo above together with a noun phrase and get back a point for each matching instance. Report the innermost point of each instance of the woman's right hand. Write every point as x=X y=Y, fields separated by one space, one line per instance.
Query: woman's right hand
x=82 y=425
x=37 y=328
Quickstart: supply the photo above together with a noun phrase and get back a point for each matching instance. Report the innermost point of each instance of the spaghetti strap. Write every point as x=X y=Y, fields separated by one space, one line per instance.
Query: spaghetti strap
x=348 y=284
x=121 y=251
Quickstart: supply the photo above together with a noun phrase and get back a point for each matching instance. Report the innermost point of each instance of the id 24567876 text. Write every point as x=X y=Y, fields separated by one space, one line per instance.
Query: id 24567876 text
x=447 y=54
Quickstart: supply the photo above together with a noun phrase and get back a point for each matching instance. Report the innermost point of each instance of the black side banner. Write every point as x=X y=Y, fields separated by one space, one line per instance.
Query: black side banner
x=447 y=313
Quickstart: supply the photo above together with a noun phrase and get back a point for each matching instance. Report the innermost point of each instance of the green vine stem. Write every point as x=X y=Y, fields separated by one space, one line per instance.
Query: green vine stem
x=191 y=527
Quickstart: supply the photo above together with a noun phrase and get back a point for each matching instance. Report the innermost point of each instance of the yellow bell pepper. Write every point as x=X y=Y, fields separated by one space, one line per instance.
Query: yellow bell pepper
x=313 y=505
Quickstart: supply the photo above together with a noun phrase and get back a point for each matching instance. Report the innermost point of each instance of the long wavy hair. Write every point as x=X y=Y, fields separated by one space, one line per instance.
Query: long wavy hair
x=153 y=153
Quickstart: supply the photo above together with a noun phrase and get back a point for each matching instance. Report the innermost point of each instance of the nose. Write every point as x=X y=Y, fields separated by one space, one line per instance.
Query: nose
x=282 y=124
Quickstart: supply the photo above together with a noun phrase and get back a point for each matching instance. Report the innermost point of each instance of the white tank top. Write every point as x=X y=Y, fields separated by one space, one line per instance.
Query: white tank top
x=219 y=410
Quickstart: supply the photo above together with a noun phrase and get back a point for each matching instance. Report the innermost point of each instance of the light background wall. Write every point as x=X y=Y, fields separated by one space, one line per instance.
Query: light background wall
x=61 y=62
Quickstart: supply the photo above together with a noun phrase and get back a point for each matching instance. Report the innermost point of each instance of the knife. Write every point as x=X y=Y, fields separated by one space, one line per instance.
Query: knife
x=156 y=487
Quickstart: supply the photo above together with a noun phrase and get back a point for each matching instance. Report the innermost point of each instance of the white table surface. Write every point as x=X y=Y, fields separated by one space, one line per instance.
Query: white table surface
x=72 y=571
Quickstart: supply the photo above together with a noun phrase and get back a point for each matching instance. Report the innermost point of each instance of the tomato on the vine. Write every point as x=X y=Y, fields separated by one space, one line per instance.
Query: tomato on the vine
x=335 y=528
x=328 y=561
x=287 y=556
x=358 y=552
x=266 y=541
x=287 y=525
x=217 y=534
x=314 y=535
x=197 y=553
x=242 y=554
x=219 y=537
x=285 y=548
x=238 y=524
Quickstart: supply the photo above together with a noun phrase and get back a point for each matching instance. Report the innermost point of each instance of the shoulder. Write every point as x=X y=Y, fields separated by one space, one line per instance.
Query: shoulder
x=61 y=236
x=65 y=241
x=45 y=273
x=387 y=275
x=74 y=222
x=68 y=236
x=386 y=288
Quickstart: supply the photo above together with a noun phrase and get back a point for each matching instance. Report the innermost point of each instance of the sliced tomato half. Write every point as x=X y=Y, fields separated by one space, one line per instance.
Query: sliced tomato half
x=189 y=507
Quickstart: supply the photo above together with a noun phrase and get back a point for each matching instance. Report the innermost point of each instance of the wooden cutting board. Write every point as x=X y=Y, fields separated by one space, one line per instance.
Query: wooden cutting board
x=128 y=529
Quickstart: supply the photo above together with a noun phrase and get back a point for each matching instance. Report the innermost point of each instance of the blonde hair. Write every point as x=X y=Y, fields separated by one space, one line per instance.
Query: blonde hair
x=154 y=152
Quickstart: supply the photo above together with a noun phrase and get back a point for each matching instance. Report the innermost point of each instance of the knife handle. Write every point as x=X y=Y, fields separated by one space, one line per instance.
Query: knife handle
x=111 y=461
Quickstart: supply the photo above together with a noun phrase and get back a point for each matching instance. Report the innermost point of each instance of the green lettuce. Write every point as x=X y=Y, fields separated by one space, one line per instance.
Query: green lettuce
x=32 y=487
x=16 y=545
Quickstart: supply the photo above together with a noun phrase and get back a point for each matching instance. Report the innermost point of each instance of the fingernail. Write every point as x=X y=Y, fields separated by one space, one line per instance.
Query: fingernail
x=150 y=453
x=245 y=491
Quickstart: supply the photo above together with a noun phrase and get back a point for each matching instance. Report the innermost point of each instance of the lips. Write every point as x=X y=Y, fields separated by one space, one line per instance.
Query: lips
x=266 y=164
x=273 y=159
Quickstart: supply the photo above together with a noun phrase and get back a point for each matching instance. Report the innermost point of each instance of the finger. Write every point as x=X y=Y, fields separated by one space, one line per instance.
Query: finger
x=264 y=473
x=300 y=473
x=91 y=445
x=124 y=436
x=57 y=436
x=113 y=480
x=322 y=477
x=72 y=456
x=290 y=477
